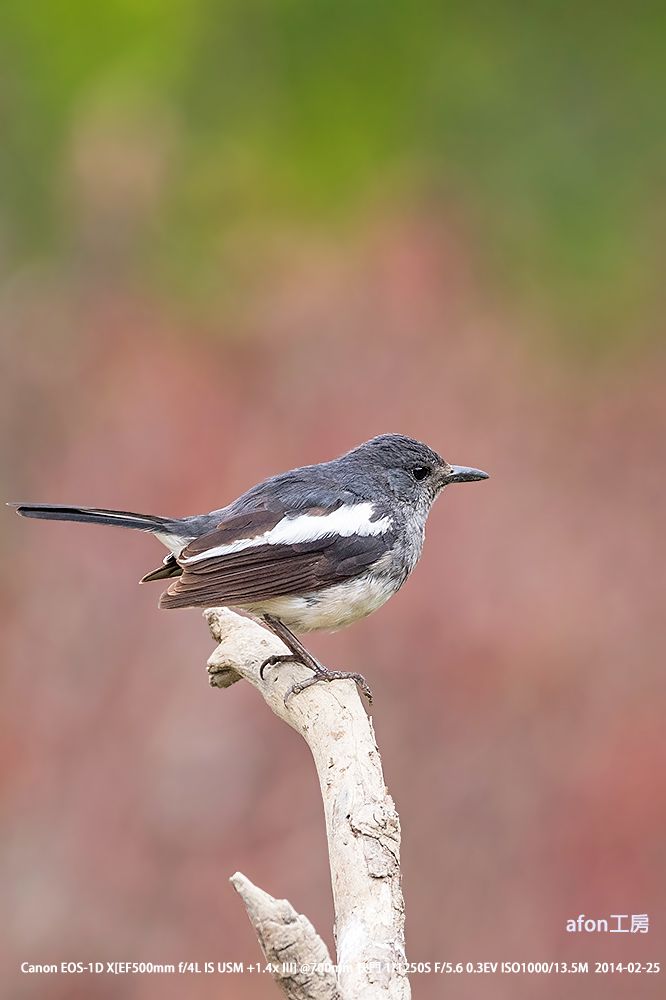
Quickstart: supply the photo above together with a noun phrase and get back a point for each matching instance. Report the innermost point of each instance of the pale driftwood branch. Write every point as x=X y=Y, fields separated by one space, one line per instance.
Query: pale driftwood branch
x=303 y=966
x=362 y=824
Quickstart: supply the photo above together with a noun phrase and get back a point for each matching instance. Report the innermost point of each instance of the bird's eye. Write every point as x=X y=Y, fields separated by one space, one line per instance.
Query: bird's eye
x=420 y=472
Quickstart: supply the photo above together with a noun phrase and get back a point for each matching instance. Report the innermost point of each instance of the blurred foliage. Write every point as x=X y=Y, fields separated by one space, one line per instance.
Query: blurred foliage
x=543 y=121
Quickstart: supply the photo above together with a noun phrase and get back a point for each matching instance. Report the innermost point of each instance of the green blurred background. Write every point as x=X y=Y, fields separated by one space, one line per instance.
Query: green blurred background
x=237 y=237
x=199 y=120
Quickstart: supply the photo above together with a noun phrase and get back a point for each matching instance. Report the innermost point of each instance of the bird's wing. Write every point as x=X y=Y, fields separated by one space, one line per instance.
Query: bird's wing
x=259 y=554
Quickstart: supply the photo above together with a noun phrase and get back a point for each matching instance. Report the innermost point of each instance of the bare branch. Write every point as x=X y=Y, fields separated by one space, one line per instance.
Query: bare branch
x=303 y=967
x=362 y=824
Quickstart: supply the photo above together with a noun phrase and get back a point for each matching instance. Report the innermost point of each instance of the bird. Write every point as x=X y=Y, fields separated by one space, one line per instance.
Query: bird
x=317 y=547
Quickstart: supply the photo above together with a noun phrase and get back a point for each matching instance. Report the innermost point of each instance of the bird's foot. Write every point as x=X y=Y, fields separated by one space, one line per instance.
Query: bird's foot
x=321 y=673
x=299 y=654
x=324 y=674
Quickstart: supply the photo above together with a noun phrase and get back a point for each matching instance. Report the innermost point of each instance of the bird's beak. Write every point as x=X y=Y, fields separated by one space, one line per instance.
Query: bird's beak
x=462 y=474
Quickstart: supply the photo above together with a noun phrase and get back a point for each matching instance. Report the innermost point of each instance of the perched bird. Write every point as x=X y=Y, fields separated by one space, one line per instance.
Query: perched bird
x=313 y=548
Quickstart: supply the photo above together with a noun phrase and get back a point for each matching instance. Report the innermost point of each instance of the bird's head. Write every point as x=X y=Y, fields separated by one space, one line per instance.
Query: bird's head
x=409 y=470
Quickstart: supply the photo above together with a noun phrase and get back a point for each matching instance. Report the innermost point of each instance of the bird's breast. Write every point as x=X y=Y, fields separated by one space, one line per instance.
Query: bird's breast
x=332 y=607
x=343 y=603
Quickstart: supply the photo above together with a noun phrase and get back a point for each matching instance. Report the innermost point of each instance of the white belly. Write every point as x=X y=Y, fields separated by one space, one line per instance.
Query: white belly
x=331 y=608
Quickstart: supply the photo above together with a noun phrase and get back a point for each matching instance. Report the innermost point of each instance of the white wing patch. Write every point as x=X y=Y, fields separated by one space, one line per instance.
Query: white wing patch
x=345 y=521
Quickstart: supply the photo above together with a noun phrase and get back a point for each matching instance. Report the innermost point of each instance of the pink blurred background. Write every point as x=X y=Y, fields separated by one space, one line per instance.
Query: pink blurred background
x=518 y=676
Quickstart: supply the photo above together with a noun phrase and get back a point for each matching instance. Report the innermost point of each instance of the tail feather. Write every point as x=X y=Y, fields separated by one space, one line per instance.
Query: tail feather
x=91 y=515
x=168 y=569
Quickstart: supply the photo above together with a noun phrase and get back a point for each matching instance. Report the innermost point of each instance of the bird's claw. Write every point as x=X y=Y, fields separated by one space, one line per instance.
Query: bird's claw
x=272 y=661
x=330 y=675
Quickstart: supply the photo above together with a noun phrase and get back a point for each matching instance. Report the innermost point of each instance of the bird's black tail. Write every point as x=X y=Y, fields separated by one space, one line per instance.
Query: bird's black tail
x=91 y=515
